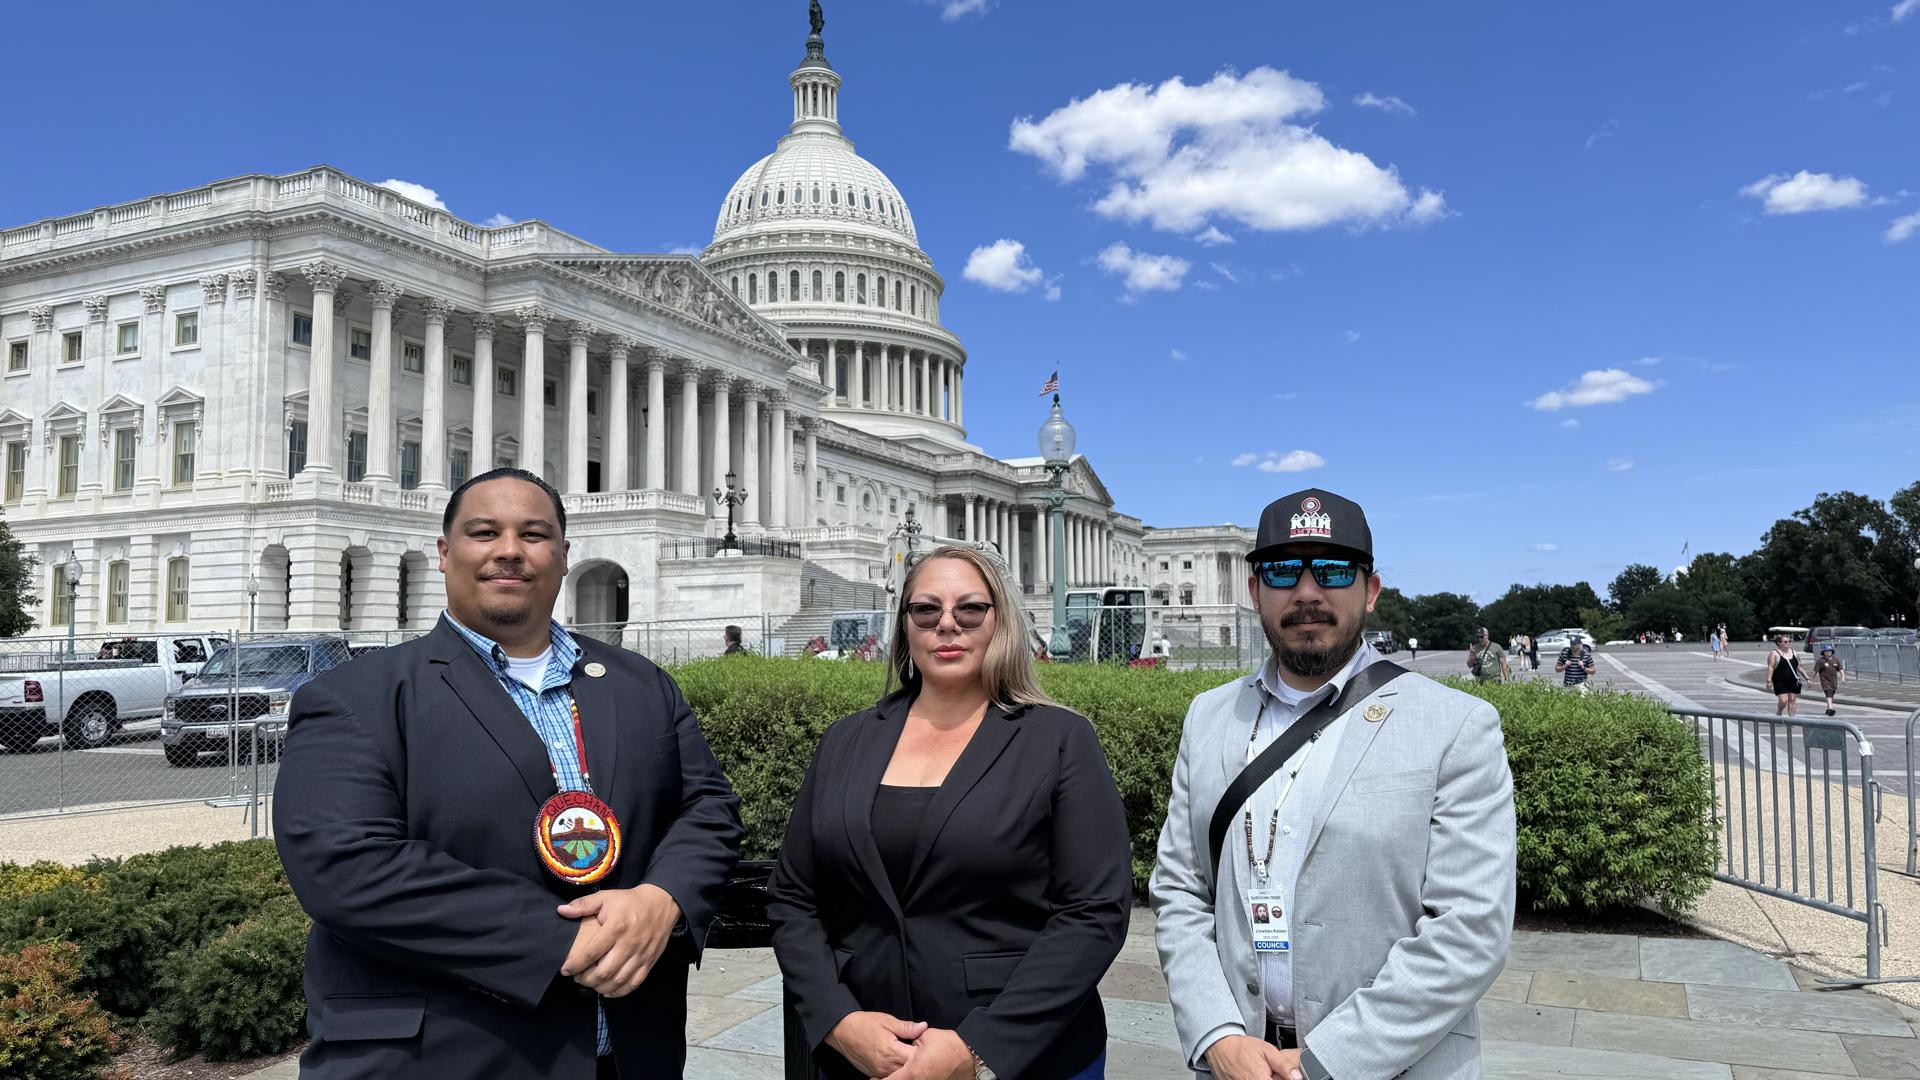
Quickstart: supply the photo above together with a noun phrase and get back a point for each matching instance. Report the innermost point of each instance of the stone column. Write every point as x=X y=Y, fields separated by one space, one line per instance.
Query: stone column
x=968 y=519
x=579 y=336
x=1042 y=548
x=433 y=410
x=689 y=466
x=1014 y=548
x=380 y=383
x=857 y=378
x=147 y=446
x=751 y=397
x=480 y=457
x=782 y=460
x=617 y=417
x=656 y=419
x=322 y=419
x=959 y=395
x=926 y=385
x=533 y=389
x=884 y=400
x=722 y=435
x=939 y=515
x=833 y=369
x=812 y=427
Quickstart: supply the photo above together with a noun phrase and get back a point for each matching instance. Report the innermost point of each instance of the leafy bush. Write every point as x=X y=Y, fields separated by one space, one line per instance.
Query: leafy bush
x=47 y=1030
x=239 y=995
x=19 y=882
x=1614 y=800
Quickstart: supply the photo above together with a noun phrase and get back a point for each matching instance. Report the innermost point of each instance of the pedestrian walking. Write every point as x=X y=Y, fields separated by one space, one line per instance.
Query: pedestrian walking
x=1713 y=642
x=1533 y=652
x=1486 y=661
x=1830 y=671
x=1413 y=647
x=1364 y=810
x=1575 y=665
x=1784 y=676
x=731 y=637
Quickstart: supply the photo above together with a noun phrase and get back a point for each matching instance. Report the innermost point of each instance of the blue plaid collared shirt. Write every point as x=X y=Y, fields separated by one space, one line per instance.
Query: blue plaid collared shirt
x=550 y=711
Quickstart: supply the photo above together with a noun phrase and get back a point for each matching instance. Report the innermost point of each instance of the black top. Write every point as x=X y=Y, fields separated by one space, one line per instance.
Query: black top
x=897 y=815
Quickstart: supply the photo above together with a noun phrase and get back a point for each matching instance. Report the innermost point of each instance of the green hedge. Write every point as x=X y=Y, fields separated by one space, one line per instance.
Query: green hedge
x=239 y=995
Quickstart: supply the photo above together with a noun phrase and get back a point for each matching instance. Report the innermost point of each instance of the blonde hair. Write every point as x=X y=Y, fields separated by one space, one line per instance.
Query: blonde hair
x=1006 y=669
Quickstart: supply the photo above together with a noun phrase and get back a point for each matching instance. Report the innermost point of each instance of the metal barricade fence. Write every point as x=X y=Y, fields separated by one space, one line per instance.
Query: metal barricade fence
x=1762 y=762
x=1881 y=661
x=1913 y=801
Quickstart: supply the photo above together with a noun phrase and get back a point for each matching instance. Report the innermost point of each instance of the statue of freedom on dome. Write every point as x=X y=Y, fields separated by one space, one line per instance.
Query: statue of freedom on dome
x=817 y=17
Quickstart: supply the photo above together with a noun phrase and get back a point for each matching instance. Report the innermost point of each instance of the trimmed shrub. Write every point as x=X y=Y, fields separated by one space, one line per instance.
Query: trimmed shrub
x=47 y=1030
x=239 y=995
x=19 y=882
x=1613 y=798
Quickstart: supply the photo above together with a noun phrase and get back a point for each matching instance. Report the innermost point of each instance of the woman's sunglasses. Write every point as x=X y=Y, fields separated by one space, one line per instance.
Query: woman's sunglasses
x=1327 y=573
x=968 y=616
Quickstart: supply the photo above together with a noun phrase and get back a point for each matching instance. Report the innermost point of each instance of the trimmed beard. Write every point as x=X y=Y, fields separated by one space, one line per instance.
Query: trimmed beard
x=1314 y=662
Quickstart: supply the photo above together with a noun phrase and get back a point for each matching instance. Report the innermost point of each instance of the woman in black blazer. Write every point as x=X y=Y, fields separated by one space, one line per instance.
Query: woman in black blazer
x=955 y=878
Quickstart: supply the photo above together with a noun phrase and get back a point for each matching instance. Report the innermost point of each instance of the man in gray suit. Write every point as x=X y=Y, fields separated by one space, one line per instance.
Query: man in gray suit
x=1383 y=849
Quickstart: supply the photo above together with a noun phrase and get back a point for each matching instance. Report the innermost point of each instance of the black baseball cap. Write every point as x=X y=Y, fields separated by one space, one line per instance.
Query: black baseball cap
x=1313 y=516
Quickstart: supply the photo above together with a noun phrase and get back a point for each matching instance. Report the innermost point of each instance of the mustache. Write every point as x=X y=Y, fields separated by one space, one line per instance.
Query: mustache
x=1309 y=614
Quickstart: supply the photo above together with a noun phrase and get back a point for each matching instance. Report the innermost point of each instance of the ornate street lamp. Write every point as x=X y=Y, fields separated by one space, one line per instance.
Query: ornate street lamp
x=253 y=599
x=911 y=529
x=1056 y=451
x=732 y=497
x=73 y=597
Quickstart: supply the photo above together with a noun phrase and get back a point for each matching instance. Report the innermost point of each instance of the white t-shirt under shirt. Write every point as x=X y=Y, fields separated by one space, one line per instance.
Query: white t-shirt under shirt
x=531 y=670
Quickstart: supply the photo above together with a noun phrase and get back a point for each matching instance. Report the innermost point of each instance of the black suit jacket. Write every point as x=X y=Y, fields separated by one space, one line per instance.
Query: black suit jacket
x=1016 y=904
x=404 y=814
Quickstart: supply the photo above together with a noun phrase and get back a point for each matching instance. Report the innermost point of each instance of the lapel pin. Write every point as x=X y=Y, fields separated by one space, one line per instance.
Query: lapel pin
x=597 y=669
x=1376 y=712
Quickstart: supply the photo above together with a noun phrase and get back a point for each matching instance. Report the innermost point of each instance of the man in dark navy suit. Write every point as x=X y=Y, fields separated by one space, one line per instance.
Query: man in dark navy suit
x=452 y=936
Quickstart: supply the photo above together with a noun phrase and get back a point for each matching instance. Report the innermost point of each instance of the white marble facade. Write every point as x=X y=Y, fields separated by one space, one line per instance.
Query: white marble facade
x=279 y=379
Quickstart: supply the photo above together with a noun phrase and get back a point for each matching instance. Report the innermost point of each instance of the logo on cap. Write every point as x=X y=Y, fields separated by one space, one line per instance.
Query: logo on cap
x=1311 y=522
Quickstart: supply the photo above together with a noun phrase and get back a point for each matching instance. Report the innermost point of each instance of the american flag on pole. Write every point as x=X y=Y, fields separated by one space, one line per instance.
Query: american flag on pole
x=1052 y=384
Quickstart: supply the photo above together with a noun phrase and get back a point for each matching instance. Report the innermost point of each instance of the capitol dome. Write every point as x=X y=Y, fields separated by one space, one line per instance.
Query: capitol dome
x=815 y=238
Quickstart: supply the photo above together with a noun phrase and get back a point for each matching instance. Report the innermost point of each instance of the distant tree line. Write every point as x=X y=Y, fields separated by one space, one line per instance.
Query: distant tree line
x=1847 y=560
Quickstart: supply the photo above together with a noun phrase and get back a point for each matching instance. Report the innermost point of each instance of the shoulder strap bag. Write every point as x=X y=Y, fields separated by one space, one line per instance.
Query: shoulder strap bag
x=1358 y=689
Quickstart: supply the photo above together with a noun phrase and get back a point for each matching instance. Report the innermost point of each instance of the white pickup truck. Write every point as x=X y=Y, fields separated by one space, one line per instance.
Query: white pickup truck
x=89 y=699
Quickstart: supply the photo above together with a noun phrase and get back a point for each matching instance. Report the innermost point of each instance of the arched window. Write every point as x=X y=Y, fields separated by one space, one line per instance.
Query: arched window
x=817 y=293
x=793 y=285
x=816 y=194
x=781 y=197
x=880 y=291
x=866 y=198
x=177 y=580
x=753 y=288
x=773 y=286
x=913 y=300
x=736 y=286
x=834 y=196
x=839 y=286
x=763 y=198
x=896 y=295
x=860 y=289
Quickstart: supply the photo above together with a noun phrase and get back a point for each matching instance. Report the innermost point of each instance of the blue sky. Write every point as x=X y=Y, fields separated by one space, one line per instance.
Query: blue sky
x=1678 y=223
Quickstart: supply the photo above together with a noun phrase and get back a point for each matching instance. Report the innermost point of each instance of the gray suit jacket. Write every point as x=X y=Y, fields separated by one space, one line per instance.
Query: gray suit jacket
x=1404 y=905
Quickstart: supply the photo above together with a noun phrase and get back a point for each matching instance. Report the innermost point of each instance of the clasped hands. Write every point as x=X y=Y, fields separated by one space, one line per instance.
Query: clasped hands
x=885 y=1047
x=621 y=936
x=1242 y=1057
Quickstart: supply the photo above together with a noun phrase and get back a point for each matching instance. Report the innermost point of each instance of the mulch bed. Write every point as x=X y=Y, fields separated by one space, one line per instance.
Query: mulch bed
x=144 y=1059
x=1644 y=922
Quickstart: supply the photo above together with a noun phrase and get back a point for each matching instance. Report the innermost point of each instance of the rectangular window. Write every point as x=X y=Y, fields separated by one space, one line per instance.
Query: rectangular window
x=359 y=344
x=356 y=456
x=186 y=329
x=413 y=357
x=409 y=466
x=16 y=356
x=71 y=345
x=1163 y=564
x=462 y=368
x=456 y=468
x=896 y=294
x=128 y=339
x=301 y=333
x=893 y=506
x=840 y=492
x=550 y=394
x=117 y=592
x=69 y=464
x=296 y=448
x=183 y=435
x=1186 y=564
x=123 y=459
x=176 y=590
x=506 y=381
x=16 y=470
x=58 y=591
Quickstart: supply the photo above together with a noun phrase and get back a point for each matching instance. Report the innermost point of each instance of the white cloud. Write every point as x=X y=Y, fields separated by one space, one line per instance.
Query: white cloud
x=1619 y=464
x=1647 y=361
x=1548 y=548
x=1004 y=267
x=1351 y=336
x=952 y=10
x=685 y=249
x=1389 y=103
x=419 y=193
x=1285 y=397
x=1608 y=130
x=1212 y=237
x=1178 y=356
x=1274 y=461
x=1144 y=272
x=1903 y=227
x=1604 y=387
x=1225 y=271
x=1905 y=8
x=1180 y=155
x=1804 y=192
x=496 y=221
x=1569 y=424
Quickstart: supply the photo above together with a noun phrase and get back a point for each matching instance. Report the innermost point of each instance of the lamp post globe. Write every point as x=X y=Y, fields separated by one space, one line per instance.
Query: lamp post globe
x=73 y=596
x=253 y=597
x=1056 y=450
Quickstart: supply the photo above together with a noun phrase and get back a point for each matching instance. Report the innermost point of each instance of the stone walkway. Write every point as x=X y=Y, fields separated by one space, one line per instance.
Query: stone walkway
x=1568 y=1006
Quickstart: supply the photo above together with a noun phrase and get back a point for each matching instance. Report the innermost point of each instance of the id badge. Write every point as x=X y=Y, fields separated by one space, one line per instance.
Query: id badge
x=1268 y=915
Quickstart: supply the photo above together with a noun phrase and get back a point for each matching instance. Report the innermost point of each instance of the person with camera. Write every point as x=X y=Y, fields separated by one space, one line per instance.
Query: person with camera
x=1576 y=664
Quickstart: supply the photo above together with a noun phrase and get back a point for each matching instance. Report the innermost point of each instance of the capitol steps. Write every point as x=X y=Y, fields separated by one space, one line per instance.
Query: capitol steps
x=823 y=592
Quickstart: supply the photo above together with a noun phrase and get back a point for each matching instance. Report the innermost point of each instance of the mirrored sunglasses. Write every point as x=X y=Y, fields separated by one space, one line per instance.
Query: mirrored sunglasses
x=968 y=616
x=1327 y=573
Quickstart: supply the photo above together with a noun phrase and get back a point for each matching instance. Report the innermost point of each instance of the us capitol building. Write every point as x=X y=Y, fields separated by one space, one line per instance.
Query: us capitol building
x=252 y=399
